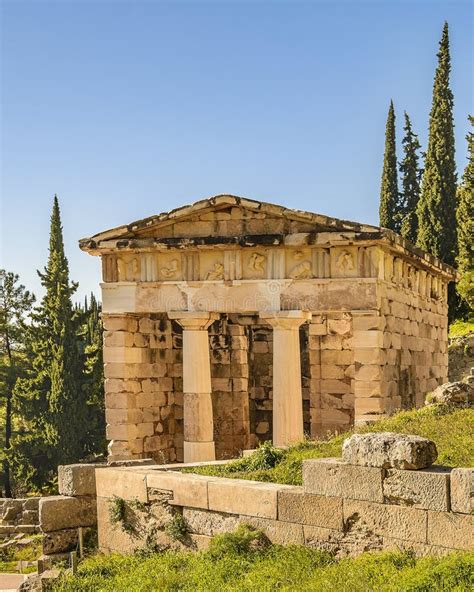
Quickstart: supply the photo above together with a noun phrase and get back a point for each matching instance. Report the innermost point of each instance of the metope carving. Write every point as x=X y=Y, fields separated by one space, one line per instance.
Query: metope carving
x=302 y=270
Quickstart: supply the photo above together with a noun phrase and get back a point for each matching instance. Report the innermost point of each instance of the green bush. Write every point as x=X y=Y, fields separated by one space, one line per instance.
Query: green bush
x=244 y=540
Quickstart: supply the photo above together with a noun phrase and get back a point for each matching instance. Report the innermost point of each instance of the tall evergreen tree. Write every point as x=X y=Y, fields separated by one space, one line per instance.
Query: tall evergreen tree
x=93 y=380
x=437 y=205
x=465 y=221
x=389 y=187
x=52 y=392
x=410 y=171
x=15 y=304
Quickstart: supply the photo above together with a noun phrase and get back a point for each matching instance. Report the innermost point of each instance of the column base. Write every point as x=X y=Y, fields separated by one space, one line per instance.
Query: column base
x=199 y=451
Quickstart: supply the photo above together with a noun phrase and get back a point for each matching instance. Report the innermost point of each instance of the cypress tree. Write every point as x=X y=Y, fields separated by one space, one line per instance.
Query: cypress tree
x=465 y=221
x=52 y=392
x=437 y=205
x=389 y=188
x=410 y=171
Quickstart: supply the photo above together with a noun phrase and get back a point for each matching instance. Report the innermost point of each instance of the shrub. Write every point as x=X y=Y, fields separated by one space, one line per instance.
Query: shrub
x=244 y=540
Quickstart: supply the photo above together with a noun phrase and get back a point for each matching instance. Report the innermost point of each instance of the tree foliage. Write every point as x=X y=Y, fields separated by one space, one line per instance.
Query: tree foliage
x=59 y=398
x=15 y=305
x=410 y=171
x=389 y=187
x=465 y=223
x=437 y=205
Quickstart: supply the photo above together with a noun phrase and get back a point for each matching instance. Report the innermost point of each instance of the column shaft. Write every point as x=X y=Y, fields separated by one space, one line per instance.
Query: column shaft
x=287 y=391
x=198 y=416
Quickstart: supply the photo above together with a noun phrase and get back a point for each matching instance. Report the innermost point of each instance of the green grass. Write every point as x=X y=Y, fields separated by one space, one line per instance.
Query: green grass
x=461 y=328
x=10 y=558
x=451 y=429
x=289 y=569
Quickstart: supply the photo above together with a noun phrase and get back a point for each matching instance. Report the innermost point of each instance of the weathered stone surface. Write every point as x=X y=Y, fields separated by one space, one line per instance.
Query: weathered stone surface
x=427 y=488
x=294 y=505
x=332 y=477
x=129 y=484
x=389 y=450
x=60 y=512
x=250 y=498
x=77 y=479
x=420 y=549
x=278 y=533
x=209 y=523
x=452 y=393
x=455 y=531
x=188 y=489
x=393 y=521
x=462 y=491
x=60 y=541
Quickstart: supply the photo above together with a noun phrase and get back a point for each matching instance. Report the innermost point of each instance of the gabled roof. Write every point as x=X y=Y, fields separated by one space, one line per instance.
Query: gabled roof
x=222 y=201
x=125 y=235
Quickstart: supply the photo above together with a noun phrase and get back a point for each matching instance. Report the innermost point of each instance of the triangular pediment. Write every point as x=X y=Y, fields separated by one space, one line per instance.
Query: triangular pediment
x=226 y=215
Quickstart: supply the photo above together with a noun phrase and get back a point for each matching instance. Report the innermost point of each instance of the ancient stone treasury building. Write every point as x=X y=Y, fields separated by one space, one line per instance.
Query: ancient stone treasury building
x=231 y=321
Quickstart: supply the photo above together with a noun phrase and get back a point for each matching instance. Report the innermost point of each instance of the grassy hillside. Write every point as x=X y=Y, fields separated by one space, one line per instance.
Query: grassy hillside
x=451 y=429
x=228 y=567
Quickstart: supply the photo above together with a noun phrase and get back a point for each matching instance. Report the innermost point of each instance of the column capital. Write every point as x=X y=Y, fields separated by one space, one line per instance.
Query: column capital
x=193 y=320
x=286 y=319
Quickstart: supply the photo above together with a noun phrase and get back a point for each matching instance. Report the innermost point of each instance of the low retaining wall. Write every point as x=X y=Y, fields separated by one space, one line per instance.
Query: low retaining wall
x=19 y=515
x=343 y=508
x=65 y=518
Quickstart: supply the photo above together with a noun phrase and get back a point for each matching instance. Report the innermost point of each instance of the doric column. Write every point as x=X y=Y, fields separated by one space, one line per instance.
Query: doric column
x=287 y=393
x=197 y=401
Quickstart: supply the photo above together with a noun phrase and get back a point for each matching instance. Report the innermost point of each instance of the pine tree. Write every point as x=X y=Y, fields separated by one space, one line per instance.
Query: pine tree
x=15 y=304
x=410 y=172
x=52 y=393
x=465 y=221
x=389 y=188
x=437 y=205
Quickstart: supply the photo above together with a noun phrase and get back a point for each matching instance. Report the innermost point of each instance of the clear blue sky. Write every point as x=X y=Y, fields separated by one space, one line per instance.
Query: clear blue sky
x=126 y=109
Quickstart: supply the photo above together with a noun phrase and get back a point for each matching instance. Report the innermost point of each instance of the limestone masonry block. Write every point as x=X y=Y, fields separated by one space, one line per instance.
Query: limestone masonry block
x=451 y=530
x=78 y=479
x=188 y=489
x=129 y=484
x=389 y=449
x=60 y=541
x=335 y=478
x=209 y=523
x=462 y=491
x=427 y=488
x=59 y=512
x=237 y=496
x=305 y=508
x=394 y=521
x=278 y=533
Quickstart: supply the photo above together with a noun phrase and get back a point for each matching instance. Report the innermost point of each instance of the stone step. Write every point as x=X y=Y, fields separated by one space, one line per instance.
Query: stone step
x=19 y=528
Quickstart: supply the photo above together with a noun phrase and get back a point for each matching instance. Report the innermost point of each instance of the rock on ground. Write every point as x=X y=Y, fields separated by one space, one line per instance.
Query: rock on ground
x=452 y=393
x=389 y=450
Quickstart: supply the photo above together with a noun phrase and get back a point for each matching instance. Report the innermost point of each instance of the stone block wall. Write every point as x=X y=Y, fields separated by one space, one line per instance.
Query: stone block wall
x=19 y=515
x=65 y=518
x=144 y=410
x=342 y=508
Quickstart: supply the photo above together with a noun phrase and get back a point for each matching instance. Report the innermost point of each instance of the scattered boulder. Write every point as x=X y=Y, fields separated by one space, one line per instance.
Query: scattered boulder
x=389 y=450
x=459 y=394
